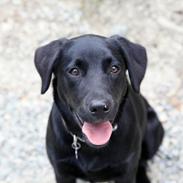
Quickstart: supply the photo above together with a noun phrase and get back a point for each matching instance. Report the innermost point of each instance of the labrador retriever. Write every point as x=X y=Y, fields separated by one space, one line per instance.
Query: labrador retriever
x=100 y=127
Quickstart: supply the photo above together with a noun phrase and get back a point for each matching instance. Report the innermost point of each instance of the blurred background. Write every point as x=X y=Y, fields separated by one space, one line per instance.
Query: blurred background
x=25 y=25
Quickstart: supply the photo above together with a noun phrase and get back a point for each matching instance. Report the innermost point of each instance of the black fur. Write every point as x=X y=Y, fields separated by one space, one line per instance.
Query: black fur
x=93 y=83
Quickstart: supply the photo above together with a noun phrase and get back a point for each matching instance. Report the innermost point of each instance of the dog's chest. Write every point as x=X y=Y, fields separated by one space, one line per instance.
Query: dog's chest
x=103 y=168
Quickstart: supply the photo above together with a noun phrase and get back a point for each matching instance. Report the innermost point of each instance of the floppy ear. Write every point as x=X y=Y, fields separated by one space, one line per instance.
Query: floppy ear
x=44 y=60
x=136 y=60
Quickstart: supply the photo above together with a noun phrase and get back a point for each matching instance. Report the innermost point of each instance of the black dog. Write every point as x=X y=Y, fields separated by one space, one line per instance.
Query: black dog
x=100 y=127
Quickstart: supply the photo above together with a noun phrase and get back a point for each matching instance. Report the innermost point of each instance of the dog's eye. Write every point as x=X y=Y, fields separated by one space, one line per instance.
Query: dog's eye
x=74 y=72
x=115 y=69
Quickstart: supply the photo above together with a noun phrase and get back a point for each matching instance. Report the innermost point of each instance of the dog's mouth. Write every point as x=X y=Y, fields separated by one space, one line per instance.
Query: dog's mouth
x=97 y=134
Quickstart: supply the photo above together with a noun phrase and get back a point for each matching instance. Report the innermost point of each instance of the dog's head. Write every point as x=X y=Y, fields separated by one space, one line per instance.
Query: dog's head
x=91 y=78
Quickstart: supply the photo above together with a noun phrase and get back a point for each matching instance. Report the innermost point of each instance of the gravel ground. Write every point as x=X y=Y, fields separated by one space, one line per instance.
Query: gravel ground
x=24 y=25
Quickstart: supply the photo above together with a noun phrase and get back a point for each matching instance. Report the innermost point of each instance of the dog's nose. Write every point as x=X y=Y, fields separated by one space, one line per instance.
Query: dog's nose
x=99 y=108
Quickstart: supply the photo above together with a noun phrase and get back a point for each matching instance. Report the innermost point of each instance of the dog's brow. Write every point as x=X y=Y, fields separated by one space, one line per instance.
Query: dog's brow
x=80 y=61
x=107 y=59
x=106 y=62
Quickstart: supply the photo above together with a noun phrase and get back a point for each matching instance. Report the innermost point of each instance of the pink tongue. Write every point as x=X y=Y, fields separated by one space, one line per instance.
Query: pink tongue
x=98 y=134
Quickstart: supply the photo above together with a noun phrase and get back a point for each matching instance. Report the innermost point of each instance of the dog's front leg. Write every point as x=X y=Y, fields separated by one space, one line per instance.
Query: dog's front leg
x=65 y=179
x=127 y=179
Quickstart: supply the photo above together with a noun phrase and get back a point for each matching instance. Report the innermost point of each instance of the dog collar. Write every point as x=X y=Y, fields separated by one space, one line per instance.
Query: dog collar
x=76 y=145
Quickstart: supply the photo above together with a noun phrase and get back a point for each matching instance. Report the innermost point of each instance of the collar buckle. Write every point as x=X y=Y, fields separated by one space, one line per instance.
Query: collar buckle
x=76 y=145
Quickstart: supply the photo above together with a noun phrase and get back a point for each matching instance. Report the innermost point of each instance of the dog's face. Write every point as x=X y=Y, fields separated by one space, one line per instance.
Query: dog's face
x=90 y=73
x=91 y=79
